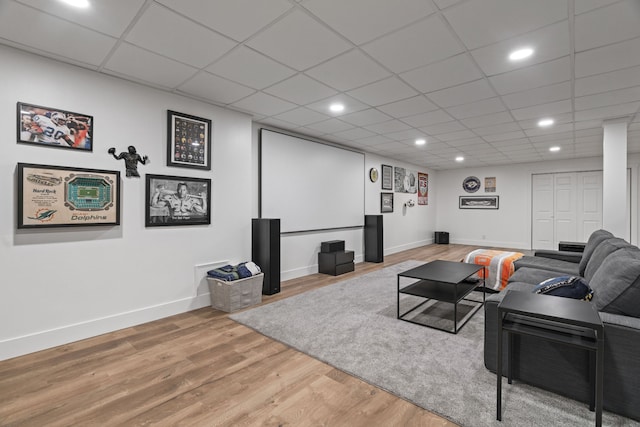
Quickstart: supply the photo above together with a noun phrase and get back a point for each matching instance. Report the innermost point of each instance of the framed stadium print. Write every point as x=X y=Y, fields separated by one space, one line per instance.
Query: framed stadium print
x=58 y=196
x=53 y=127
x=478 y=202
x=175 y=200
x=189 y=141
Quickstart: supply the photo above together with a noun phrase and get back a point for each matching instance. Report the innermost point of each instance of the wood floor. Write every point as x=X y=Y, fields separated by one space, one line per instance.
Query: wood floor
x=202 y=369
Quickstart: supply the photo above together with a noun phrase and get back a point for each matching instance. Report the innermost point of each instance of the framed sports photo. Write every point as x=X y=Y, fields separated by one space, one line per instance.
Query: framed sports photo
x=53 y=127
x=386 y=202
x=59 y=196
x=478 y=202
x=387 y=177
x=176 y=200
x=189 y=141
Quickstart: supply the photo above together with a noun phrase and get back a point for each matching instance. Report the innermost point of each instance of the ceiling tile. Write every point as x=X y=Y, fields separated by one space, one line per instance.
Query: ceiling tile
x=348 y=71
x=478 y=108
x=230 y=17
x=422 y=43
x=298 y=41
x=487 y=120
x=374 y=140
x=606 y=113
x=497 y=129
x=465 y=93
x=483 y=22
x=355 y=133
x=263 y=103
x=250 y=68
x=449 y=72
x=351 y=105
x=608 y=98
x=380 y=17
x=106 y=16
x=607 y=25
x=427 y=119
x=608 y=58
x=302 y=116
x=383 y=92
x=405 y=134
x=504 y=136
x=388 y=127
x=301 y=90
x=543 y=110
x=215 y=89
x=453 y=136
x=460 y=143
x=613 y=80
x=582 y=6
x=408 y=107
x=441 y=128
x=365 y=117
x=549 y=43
x=540 y=95
x=150 y=32
x=330 y=126
x=538 y=75
x=131 y=61
x=553 y=130
x=32 y=28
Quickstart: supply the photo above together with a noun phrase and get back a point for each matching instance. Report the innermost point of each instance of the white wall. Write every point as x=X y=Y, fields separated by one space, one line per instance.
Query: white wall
x=405 y=228
x=61 y=285
x=510 y=225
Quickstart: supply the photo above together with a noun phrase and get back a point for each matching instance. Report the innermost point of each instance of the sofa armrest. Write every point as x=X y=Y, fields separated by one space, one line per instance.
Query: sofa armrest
x=560 y=255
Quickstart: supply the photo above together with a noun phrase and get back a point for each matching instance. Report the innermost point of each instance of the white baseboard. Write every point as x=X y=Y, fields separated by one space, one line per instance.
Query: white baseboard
x=26 y=344
x=307 y=270
x=490 y=243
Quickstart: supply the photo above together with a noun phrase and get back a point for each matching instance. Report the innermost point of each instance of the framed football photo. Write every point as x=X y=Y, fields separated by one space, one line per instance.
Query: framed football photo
x=175 y=200
x=53 y=127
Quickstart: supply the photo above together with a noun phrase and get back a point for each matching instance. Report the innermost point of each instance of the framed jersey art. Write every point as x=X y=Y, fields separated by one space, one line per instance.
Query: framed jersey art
x=53 y=127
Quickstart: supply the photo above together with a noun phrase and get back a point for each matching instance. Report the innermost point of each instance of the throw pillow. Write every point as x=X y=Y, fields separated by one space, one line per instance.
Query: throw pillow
x=565 y=286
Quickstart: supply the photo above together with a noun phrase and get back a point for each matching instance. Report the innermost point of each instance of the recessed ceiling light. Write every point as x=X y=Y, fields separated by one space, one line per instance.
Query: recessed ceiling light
x=520 y=54
x=459 y=159
x=77 y=3
x=421 y=141
x=554 y=149
x=336 y=108
x=545 y=122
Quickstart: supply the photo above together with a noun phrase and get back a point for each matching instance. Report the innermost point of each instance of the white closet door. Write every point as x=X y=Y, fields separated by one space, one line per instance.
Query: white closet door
x=542 y=227
x=565 y=207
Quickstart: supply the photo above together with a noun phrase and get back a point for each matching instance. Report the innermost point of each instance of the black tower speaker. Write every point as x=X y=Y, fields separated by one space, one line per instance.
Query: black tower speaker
x=265 y=251
x=373 y=247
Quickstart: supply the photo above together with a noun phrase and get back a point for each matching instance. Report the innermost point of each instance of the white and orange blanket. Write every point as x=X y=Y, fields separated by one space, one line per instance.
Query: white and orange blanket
x=499 y=266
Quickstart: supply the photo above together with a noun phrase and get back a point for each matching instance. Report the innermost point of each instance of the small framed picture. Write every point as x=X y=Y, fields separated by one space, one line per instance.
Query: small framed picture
x=175 y=200
x=386 y=202
x=53 y=127
x=189 y=141
x=478 y=202
x=387 y=177
x=59 y=196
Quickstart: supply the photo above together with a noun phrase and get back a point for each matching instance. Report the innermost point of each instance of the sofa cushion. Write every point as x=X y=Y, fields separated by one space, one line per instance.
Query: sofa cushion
x=533 y=276
x=557 y=265
x=616 y=284
x=604 y=249
x=565 y=286
x=594 y=241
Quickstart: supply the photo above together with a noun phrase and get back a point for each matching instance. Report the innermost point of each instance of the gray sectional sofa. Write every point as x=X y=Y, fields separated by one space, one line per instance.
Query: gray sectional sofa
x=611 y=267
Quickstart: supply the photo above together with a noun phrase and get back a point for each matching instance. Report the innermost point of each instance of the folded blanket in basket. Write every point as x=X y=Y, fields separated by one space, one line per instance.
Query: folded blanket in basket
x=234 y=272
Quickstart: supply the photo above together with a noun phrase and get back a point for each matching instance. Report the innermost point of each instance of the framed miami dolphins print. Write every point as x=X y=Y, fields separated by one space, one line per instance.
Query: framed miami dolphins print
x=53 y=127
x=59 y=196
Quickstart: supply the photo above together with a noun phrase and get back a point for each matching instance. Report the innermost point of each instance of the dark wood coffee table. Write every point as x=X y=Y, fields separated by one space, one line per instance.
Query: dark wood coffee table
x=445 y=281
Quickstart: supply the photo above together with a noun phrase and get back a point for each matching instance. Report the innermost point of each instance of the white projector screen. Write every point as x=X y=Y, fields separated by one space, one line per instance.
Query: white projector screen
x=308 y=185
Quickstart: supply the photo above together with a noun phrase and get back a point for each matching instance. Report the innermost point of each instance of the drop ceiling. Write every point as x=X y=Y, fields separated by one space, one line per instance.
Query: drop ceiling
x=404 y=69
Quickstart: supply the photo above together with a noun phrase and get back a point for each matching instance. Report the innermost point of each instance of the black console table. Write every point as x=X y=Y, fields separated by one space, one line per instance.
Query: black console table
x=563 y=320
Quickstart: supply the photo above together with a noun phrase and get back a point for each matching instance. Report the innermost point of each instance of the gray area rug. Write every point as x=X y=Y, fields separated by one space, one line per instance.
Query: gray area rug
x=352 y=326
